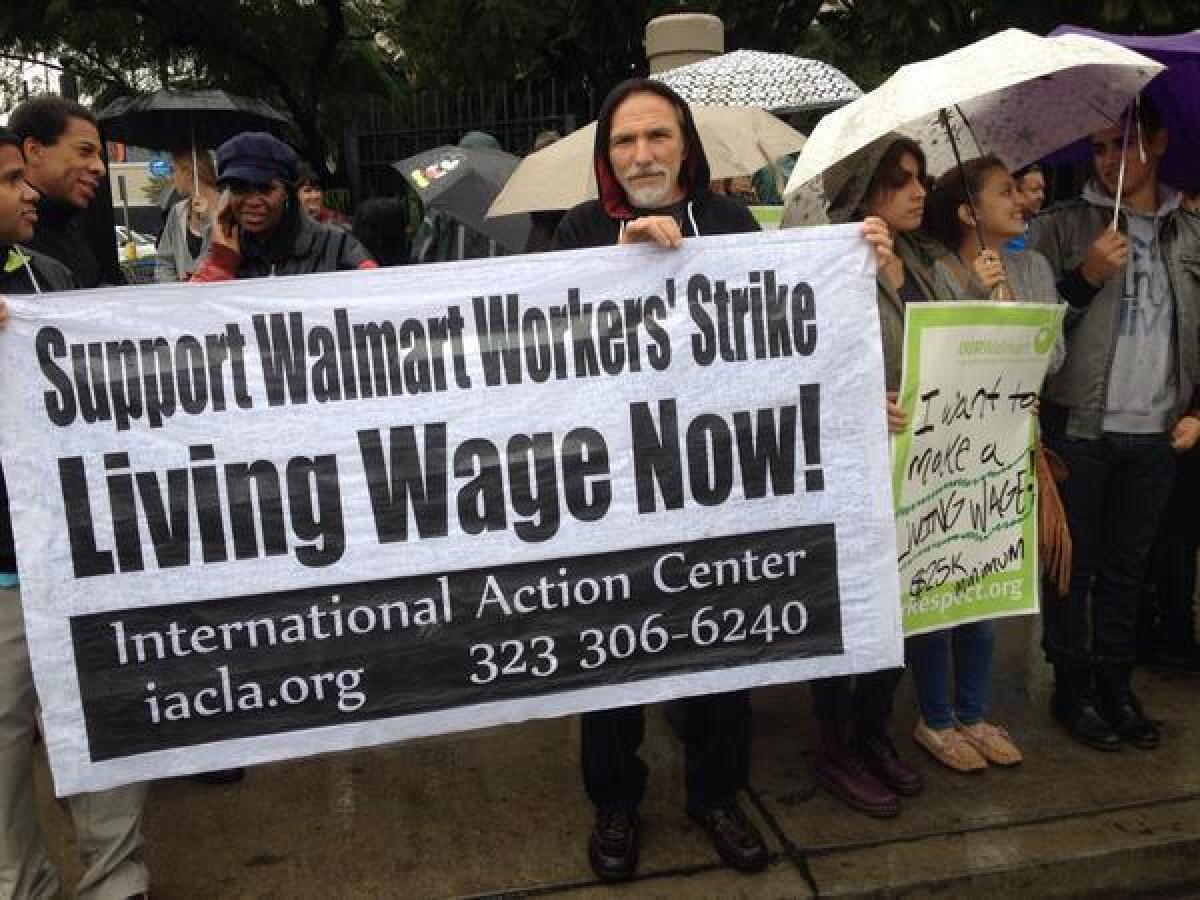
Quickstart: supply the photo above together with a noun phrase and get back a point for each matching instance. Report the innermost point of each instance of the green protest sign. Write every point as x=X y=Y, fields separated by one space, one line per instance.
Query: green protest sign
x=963 y=474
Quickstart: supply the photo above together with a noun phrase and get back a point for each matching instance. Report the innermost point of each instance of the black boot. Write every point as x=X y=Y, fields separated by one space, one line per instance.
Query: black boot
x=1074 y=706
x=1122 y=709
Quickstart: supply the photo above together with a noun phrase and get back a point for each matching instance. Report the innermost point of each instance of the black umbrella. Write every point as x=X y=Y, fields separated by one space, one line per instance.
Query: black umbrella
x=462 y=182
x=172 y=120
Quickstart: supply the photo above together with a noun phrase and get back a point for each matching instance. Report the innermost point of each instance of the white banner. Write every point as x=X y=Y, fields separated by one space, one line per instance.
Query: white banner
x=270 y=518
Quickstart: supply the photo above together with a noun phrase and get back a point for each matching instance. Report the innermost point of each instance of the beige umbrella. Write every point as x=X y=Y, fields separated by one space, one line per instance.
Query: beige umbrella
x=737 y=141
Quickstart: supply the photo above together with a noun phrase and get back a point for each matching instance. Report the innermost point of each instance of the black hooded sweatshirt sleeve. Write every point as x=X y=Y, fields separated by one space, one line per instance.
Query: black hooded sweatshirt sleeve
x=597 y=223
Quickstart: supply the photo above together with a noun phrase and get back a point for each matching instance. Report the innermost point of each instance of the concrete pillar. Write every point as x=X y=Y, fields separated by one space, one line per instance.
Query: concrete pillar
x=681 y=38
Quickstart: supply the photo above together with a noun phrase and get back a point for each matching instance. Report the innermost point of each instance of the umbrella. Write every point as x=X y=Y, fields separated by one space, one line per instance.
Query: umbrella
x=1176 y=93
x=1014 y=94
x=172 y=120
x=737 y=141
x=461 y=182
x=774 y=81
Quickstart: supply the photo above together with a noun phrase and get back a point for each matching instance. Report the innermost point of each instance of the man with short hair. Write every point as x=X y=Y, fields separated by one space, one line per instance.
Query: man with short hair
x=107 y=823
x=260 y=229
x=1125 y=401
x=1031 y=190
x=64 y=164
x=654 y=186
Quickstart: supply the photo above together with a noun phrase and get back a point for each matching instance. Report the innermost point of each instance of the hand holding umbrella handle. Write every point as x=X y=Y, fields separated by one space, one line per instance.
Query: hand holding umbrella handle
x=225 y=229
x=1105 y=257
x=989 y=269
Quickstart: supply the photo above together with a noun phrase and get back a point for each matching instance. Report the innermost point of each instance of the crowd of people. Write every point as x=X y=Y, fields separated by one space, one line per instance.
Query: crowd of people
x=1120 y=409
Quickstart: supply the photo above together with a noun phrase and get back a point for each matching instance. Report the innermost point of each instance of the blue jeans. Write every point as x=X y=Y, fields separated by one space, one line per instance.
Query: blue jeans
x=929 y=657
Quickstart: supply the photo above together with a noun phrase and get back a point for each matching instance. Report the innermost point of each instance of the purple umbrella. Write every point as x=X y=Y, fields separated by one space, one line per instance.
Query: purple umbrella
x=1176 y=93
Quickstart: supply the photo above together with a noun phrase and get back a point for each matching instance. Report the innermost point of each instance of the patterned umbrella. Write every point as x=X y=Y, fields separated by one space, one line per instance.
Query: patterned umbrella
x=462 y=182
x=1014 y=94
x=774 y=81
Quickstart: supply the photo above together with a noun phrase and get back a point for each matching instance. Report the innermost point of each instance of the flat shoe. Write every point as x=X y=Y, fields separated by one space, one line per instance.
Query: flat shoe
x=950 y=748
x=992 y=742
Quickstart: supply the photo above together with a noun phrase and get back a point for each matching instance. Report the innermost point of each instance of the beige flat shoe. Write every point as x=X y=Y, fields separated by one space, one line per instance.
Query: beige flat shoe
x=993 y=743
x=950 y=747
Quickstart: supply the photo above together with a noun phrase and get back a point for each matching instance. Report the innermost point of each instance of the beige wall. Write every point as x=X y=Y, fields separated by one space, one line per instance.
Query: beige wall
x=683 y=38
x=137 y=176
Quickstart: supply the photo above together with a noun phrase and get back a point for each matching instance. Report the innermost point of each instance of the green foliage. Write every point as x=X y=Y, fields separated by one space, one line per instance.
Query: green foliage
x=309 y=58
x=320 y=60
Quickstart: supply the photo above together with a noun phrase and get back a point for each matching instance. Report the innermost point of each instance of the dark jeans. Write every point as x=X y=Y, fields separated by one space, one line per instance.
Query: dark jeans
x=929 y=657
x=1115 y=492
x=861 y=701
x=716 y=737
x=1167 y=614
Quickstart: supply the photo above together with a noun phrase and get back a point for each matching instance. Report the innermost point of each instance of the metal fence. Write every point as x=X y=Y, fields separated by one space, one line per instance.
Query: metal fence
x=513 y=114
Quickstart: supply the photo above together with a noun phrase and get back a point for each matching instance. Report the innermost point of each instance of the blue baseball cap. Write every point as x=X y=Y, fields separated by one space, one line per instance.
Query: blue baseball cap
x=255 y=157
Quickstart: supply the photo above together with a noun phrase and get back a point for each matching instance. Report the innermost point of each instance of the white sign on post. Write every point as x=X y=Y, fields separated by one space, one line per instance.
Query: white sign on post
x=269 y=518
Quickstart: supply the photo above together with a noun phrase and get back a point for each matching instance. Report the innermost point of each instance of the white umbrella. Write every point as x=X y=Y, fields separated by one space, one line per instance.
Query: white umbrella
x=774 y=81
x=1014 y=94
x=737 y=141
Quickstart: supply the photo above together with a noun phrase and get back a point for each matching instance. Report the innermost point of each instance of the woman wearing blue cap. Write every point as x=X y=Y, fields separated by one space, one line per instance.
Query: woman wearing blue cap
x=260 y=229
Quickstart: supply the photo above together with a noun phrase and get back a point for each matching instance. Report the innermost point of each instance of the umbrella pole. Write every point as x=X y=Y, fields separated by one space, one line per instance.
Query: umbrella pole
x=1000 y=291
x=944 y=118
x=1121 y=172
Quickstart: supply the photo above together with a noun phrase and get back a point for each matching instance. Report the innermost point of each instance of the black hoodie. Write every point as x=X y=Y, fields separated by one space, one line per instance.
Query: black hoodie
x=59 y=234
x=597 y=223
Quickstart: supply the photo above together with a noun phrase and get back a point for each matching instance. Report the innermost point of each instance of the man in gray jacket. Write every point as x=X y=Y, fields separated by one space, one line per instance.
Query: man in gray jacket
x=1123 y=404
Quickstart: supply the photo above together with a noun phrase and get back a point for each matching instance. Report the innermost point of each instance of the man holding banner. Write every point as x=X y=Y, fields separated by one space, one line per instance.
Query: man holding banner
x=108 y=823
x=654 y=187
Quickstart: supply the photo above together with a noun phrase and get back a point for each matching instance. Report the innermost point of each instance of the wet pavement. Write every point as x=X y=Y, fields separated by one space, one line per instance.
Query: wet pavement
x=502 y=813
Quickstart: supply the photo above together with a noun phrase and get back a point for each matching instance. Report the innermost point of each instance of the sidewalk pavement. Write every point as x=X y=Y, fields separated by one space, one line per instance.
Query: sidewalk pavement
x=501 y=813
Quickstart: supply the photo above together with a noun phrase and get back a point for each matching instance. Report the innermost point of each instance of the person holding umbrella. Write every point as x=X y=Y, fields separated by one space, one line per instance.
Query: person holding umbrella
x=654 y=187
x=882 y=185
x=185 y=236
x=260 y=229
x=1124 y=403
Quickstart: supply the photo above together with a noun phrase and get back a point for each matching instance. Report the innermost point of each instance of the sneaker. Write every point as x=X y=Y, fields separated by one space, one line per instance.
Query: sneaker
x=613 y=845
x=950 y=748
x=993 y=743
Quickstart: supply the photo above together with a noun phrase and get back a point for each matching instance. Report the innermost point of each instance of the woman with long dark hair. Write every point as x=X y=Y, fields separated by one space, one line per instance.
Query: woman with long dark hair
x=856 y=760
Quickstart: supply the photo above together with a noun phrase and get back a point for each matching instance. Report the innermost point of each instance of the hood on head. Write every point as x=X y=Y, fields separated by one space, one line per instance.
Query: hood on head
x=694 y=173
x=1095 y=194
x=847 y=181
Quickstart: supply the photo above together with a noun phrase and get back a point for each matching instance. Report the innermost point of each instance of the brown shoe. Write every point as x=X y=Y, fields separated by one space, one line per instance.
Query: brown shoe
x=733 y=836
x=840 y=769
x=993 y=743
x=950 y=748
x=879 y=753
